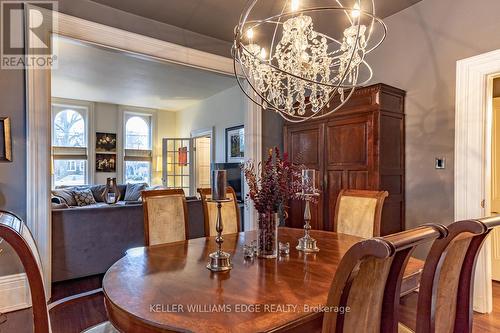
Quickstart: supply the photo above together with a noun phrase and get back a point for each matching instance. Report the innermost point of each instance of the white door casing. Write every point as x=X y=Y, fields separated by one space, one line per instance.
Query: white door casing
x=495 y=188
x=473 y=113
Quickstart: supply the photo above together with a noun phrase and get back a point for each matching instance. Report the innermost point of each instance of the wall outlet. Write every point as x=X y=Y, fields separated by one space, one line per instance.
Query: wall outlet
x=440 y=163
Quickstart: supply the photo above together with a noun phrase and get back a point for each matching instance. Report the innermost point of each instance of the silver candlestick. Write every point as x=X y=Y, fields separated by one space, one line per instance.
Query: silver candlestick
x=307 y=244
x=219 y=260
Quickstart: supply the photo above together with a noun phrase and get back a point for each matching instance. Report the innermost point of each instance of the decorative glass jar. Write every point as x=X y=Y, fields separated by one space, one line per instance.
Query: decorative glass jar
x=267 y=235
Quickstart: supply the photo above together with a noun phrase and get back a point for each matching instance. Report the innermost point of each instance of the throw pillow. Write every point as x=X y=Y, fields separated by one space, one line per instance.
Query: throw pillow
x=66 y=194
x=84 y=197
x=97 y=191
x=133 y=192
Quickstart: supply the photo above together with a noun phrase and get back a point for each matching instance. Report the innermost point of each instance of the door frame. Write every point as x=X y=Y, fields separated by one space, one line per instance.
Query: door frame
x=38 y=113
x=201 y=133
x=473 y=120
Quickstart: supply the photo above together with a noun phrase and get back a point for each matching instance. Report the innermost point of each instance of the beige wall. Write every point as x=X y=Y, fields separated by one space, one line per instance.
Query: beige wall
x=419 y=55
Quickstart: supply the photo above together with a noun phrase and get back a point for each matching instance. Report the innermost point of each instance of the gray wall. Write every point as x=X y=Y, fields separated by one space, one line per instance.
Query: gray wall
x=12 y=95
x=272 y=131
x=12 y=174
x=419 y=55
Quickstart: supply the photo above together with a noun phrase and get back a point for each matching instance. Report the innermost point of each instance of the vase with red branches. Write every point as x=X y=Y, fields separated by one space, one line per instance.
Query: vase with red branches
x=271 y=184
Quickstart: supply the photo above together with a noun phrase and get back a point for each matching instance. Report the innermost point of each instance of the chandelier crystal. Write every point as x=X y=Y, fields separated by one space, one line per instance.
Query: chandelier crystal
x=306 y=74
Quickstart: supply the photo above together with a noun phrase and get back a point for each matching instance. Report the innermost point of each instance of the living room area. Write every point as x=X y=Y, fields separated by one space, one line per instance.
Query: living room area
x=123 y=123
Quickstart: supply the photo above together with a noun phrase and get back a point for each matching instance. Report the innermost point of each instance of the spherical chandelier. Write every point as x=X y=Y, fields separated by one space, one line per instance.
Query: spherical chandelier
x=297 y=68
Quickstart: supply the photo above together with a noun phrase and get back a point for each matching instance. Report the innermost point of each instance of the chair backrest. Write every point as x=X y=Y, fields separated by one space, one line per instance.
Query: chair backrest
x=446 y=285
x=358 y=212
x=165 y=216
x=368 y=282
x=230 y=212
x=17 y=235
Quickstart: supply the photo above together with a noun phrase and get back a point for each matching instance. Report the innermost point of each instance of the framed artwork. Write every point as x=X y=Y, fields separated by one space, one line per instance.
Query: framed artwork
x=5 y=140
x=235 y=144
x=183 y=156
x=105 y=162
x=105 y=142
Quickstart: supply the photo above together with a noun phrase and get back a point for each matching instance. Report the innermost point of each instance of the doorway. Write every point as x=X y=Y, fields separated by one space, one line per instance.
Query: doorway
x=38 y=97
x=202 y=161
x=473 y=136
x=495 y=180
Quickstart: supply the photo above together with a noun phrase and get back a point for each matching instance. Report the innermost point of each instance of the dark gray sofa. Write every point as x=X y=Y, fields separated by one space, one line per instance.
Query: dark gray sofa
x=88 y=240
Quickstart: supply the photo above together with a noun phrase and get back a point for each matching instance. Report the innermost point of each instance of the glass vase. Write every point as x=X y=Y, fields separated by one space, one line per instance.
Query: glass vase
x=267 y=235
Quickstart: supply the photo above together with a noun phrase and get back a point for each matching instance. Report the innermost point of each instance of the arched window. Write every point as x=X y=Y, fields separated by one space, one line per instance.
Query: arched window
x=138 y=148
x=138 y=133
x=69 y=129
x=69 y=144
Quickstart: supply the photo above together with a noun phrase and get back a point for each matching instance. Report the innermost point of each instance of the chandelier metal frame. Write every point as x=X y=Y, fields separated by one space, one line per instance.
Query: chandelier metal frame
x=239 y=51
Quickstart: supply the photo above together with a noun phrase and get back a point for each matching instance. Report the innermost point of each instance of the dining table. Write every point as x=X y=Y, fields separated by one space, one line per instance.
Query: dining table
x=167 y=288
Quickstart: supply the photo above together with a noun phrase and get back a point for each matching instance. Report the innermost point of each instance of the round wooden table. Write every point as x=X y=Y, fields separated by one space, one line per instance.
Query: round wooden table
x=167 y=287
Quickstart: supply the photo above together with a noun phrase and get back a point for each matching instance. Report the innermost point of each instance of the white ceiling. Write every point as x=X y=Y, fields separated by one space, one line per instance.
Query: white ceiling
x=91 y=73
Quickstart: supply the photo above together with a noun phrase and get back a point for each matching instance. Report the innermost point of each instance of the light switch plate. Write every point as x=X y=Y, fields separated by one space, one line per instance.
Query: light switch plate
x=440 y=163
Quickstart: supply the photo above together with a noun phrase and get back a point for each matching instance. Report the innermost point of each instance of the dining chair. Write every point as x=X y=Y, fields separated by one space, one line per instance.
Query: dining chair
x=364 y=295
x=165 y=216
x=230 y=212
x=358 y=212
x=447 y=284
x=17 y=235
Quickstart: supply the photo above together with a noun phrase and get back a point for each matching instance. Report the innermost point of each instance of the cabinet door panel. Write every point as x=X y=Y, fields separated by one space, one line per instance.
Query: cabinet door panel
x=304 y=144
x=349 y=143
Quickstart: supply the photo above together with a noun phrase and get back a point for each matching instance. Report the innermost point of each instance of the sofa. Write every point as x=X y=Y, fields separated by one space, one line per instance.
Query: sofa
x=88 y=240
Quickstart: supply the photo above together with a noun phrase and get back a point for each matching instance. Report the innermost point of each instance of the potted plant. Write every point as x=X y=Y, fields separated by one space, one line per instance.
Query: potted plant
x=271 y=185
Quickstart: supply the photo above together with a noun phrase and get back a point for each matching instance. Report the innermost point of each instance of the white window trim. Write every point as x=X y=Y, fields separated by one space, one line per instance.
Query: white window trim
x=90 y=127
x=124 y=110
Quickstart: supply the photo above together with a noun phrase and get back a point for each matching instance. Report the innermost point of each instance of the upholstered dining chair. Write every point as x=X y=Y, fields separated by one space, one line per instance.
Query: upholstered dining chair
x=230 y=212
x=447 y=283
x=17 y=235
x=165 y=216
x=368 y=279
x=358 y=212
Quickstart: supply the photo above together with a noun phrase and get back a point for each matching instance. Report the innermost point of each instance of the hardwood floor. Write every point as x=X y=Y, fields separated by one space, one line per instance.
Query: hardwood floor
x=86 y=312
x=80 y=314
x=483 y=323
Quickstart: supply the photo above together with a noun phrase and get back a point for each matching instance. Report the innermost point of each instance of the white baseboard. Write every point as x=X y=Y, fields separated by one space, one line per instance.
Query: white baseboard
x=14 y=293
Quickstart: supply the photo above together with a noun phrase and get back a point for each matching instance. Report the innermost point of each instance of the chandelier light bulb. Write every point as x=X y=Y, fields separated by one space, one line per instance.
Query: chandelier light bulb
x=250 y=34
x=294 y=5
x=356 y=11
x=263 y=53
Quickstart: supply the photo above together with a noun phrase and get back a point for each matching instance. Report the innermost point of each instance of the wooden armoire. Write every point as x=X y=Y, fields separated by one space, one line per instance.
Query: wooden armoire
x=360 y=146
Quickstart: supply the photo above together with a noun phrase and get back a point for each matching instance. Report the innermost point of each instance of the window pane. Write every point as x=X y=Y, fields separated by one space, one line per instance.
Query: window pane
x=69 y=129
x=137 y=134
x=137 y=172
x=69 y=172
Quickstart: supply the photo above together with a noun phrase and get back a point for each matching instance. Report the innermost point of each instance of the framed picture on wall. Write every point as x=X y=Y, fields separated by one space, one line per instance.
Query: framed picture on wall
x=235 y=144
x=105 y=162
x=5 y=140
x=105 y=142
